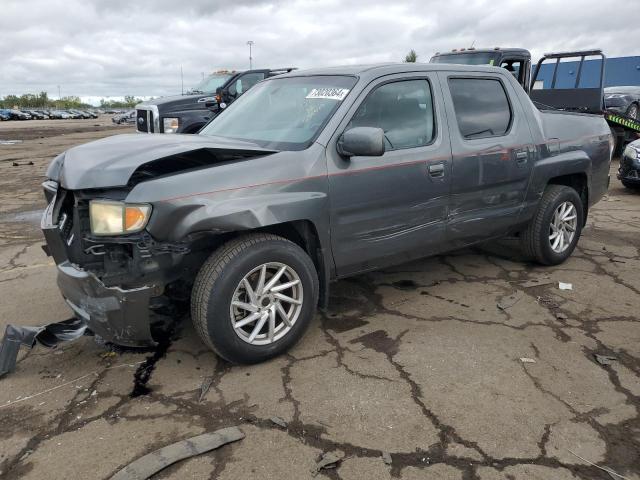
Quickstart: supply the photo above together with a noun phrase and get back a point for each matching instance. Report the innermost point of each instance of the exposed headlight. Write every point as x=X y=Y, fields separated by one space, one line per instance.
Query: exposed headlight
x=631 y=152
x=117 y=218
x=170 y=124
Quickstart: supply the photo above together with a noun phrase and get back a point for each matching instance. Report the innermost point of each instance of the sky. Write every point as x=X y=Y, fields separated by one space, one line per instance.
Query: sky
x=111 y=48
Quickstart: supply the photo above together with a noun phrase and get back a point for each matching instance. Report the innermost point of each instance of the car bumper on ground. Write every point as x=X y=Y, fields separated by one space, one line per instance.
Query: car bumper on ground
x=118 y=315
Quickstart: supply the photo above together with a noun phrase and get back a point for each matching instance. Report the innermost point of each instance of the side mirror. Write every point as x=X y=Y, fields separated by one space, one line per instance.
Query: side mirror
x=361 y=142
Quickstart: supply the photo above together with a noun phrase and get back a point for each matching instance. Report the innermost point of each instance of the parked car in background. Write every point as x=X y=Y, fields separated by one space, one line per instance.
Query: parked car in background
x=624 y=100
x=310 y=177
x=35 y=114
x=5 y=115
x=629 y=170
x=19 y=115
x=60 y=115
x=128 y=118
x=90 y=114
x=189 y=113
x=44 y=113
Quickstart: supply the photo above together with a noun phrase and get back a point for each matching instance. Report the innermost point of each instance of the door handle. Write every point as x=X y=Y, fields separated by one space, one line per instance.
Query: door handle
x=522 y=156
x=436 y=170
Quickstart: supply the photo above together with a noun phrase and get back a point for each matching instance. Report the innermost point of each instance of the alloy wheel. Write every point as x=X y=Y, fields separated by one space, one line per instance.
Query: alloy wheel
x=266 y=303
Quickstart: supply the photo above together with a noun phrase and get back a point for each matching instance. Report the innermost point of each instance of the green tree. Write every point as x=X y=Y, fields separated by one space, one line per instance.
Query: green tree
x=411 y=57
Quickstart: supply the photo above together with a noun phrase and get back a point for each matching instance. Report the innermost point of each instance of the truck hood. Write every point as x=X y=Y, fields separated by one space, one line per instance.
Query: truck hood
x=111 y=162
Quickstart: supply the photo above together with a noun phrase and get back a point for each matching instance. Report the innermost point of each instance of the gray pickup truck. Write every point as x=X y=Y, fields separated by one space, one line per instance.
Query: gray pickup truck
x=309 y=177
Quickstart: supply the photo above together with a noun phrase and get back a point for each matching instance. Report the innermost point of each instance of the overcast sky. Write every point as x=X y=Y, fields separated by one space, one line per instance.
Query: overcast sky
x=94 y=48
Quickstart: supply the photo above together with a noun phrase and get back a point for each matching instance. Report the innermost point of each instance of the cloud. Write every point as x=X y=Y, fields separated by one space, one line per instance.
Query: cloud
x=120 y=47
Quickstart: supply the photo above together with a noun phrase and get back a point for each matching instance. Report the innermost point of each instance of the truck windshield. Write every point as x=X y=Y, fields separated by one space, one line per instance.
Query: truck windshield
x=210 y=83
x=479 y=58
x=283 y=113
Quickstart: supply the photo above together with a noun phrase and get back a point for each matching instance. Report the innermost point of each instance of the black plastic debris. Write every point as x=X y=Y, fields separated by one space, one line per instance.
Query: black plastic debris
x=152 y=463
x=48 y=335
x=16 y=164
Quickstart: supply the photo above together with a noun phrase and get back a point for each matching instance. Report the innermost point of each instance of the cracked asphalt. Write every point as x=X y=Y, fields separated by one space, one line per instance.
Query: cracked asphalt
x=422 y=361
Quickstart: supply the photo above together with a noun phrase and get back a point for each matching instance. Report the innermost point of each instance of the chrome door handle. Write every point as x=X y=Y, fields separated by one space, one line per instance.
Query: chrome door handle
x=522 y=156
x=436 y=170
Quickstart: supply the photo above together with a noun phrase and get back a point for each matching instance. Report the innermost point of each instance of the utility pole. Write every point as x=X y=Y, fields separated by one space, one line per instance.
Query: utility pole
x=59 y=97
x=250 y=43
x=181 y=81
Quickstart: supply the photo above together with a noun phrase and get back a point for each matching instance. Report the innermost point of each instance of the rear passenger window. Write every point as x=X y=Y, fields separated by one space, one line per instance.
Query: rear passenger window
x=481 y=105
x=403 y=110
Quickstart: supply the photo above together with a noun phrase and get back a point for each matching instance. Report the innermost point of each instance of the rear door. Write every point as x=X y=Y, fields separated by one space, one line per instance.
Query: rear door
x=392 y=208
x=492 y=155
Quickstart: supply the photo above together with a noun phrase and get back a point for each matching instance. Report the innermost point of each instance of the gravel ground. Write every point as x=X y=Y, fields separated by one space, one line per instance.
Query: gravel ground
x=417 y=361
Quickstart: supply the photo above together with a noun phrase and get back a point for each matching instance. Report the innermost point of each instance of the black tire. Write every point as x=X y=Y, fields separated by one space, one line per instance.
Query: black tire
x=216 y=283
x=634 y=111
x=535 y=239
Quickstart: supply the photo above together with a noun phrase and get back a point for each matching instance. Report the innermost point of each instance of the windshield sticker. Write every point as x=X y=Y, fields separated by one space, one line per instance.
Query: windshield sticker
x=328 y=93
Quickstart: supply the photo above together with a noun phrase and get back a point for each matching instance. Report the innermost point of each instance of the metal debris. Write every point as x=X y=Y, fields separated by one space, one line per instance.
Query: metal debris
x=386 y=458
x=279 y=421
x=527 y=360
x=152 y=463
x=510 y=301
x=604 y=359
x=327 y=460
x=48 y=335
x=565 y=286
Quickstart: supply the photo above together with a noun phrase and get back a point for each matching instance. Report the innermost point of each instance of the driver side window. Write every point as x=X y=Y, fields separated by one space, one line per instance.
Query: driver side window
x=244 y=83
x=403 y=110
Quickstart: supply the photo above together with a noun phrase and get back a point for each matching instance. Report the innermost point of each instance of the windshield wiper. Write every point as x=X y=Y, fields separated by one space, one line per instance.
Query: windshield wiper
x=191 y=92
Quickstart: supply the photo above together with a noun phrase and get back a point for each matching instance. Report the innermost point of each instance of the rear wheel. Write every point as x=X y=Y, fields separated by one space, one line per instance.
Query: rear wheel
x=554 y=231
x=254 y=298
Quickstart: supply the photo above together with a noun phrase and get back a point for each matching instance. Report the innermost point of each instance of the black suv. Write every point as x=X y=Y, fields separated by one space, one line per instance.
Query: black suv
x=188 y=113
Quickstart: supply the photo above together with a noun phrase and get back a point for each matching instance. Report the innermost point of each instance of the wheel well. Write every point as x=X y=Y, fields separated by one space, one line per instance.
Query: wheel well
x=579 y=182
x=304 y=234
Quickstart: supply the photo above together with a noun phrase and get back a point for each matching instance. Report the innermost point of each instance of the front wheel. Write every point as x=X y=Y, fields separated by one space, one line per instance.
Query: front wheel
x=553 y=233
x=254 y=298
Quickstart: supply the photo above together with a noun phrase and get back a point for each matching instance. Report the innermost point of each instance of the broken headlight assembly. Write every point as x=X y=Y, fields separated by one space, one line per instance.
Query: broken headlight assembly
x=117 y=218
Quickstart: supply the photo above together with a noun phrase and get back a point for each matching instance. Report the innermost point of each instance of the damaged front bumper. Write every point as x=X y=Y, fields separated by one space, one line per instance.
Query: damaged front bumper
x=118 y=315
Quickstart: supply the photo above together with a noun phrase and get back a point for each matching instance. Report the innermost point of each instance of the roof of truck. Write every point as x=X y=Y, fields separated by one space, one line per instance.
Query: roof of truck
x=485 y=50
x=380 y=69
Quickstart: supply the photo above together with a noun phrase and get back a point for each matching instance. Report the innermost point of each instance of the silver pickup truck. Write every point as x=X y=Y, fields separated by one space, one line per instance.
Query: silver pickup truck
x=310 y=177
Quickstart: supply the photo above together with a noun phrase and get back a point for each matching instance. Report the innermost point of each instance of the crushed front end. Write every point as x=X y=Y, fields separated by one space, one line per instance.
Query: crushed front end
x=121 y=285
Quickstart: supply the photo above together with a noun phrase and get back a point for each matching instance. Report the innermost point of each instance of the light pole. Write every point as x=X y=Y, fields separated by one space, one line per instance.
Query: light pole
x=250 y=43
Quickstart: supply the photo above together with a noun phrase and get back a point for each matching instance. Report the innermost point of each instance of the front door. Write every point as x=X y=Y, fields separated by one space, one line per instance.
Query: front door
x=392 y=208
x=492 y=153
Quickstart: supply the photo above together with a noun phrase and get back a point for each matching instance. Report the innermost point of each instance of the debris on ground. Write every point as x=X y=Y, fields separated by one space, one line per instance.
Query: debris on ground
x=527 y=360
x=604 y=359
x=152 y=463
x=48 y=335
x=386 y=458
x=327 y=460
x=10 y=142
x=108 y=355
x=565 y=286
x=535 y=283
x=204 y=388
x=279 y=421
x=510 y=301
x=561 y=316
